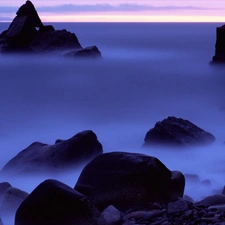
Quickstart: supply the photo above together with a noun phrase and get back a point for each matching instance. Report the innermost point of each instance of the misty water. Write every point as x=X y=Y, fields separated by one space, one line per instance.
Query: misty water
x=149 y=71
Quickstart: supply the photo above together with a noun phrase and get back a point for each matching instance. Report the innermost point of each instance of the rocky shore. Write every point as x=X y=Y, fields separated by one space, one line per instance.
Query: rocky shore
x=115 y=188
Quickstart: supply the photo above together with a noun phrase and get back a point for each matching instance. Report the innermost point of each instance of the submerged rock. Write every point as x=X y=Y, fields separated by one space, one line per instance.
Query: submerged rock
x=40 y=157
x=177 y=132
x=23 y=37
x=54 y=203
x=129 y=180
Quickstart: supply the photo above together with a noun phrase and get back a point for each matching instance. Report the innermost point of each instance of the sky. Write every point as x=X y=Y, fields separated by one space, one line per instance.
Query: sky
x=121 y=10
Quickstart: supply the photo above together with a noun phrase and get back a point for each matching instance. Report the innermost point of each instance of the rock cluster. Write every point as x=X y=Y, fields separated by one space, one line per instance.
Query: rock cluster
x=22 y=36
x=116 y=188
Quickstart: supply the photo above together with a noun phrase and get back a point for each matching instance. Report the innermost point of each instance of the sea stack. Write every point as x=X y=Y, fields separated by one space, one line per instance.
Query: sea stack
x=219 y=56
x=27 y=34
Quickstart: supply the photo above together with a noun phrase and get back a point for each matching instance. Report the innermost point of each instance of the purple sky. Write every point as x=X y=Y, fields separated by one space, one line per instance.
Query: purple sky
x=122 y=10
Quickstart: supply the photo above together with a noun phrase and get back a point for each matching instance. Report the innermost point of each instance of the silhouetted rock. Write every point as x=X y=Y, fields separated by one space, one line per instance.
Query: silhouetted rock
x=23 y=37
x=54 y=203
x=177 y=132
x=219 y=56
x=57 y=41
x=129 y=180
x=39 y=157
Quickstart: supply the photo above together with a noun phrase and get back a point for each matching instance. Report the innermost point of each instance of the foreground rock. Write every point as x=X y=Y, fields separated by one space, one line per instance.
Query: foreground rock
x=219 y=56
x=177 y=132
x=64 y=154
x=54 y=203
x=22 y=36
x=12 y=200
x=129 y=180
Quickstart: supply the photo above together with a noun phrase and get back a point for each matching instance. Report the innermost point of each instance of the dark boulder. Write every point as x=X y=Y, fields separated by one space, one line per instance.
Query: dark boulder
x=129 y=180
x=177 y=132
x=219 y=56
x=39 y=157
x=54 y=203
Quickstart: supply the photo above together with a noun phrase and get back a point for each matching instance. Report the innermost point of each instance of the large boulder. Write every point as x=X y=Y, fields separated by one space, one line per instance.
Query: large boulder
x=64 y=154
x=129 y=180
x=219 y=56
x=54 y=203
x=177 y=132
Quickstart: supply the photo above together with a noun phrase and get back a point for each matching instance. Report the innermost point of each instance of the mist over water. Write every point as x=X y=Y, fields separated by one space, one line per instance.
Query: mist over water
x=148 y=72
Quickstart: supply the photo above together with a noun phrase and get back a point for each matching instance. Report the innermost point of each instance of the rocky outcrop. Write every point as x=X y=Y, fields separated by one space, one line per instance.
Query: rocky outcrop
x=64 y=154
x=219 y=56
x=177 y=132
x=22 y=36
x=129 y=180
x=54 y=203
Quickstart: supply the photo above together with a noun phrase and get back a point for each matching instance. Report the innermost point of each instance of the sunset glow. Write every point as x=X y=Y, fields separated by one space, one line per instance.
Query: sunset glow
x=129 y=11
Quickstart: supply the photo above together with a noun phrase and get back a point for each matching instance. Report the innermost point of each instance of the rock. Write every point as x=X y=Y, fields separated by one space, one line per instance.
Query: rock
x=219 y=56
x=56 y=41
x=179 y=206
x=112 y=215
x=212 y=200
x=29 y=10
x=129 y=180
x=12 y=200
x=39 y=157
x=143 y=216
x=23 y=37
x=88 y=52
x=23 y=28
x=54 y=203
x=177 y=132
x=3 y=188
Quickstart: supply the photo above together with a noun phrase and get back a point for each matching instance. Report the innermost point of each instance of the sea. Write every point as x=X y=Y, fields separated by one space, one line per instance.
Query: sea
x=148 y=71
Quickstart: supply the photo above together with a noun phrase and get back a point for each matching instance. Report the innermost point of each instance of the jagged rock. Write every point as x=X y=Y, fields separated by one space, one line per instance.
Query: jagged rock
x=54 y=203
x=40 y=157
x=23 y=37
x=219 y=56
x=57 y=41
x=177 y=132
x=129 y=180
